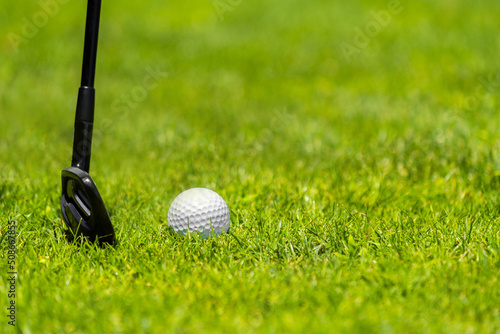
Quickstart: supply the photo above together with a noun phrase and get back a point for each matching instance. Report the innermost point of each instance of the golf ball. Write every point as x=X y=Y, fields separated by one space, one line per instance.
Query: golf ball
x=199 y=210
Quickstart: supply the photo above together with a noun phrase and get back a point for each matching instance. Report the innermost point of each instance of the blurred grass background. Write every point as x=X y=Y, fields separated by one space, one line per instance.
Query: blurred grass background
x=363 y=190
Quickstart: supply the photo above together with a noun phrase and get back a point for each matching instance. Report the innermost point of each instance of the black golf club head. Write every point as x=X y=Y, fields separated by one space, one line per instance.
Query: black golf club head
x=83 y=209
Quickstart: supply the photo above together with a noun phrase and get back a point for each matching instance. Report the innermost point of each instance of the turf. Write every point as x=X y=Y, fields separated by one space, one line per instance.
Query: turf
x=362 y=173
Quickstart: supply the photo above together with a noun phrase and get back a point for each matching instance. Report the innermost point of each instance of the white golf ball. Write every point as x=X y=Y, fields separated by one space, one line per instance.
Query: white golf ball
x=199 y=210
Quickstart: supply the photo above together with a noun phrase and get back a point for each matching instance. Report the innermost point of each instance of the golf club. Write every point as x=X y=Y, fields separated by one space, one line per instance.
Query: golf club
x=82 y=207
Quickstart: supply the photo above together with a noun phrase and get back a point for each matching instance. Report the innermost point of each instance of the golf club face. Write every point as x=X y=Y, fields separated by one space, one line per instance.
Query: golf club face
x=83 y=209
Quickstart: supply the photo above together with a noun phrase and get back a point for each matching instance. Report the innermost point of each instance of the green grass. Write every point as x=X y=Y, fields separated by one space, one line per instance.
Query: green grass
x=364 y=192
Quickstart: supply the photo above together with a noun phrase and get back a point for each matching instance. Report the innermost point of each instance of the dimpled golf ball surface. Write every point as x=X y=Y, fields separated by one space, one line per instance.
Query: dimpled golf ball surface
x=199 y=210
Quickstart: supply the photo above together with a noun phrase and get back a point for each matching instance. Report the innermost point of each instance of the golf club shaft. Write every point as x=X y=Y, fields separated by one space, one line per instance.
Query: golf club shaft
x=84 y=119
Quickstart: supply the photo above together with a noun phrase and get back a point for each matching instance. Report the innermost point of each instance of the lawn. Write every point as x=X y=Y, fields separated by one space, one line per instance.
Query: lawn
x=356 y=143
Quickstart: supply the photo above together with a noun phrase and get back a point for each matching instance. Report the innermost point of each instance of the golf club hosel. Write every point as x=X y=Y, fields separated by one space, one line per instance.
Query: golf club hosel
x=84 y=124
